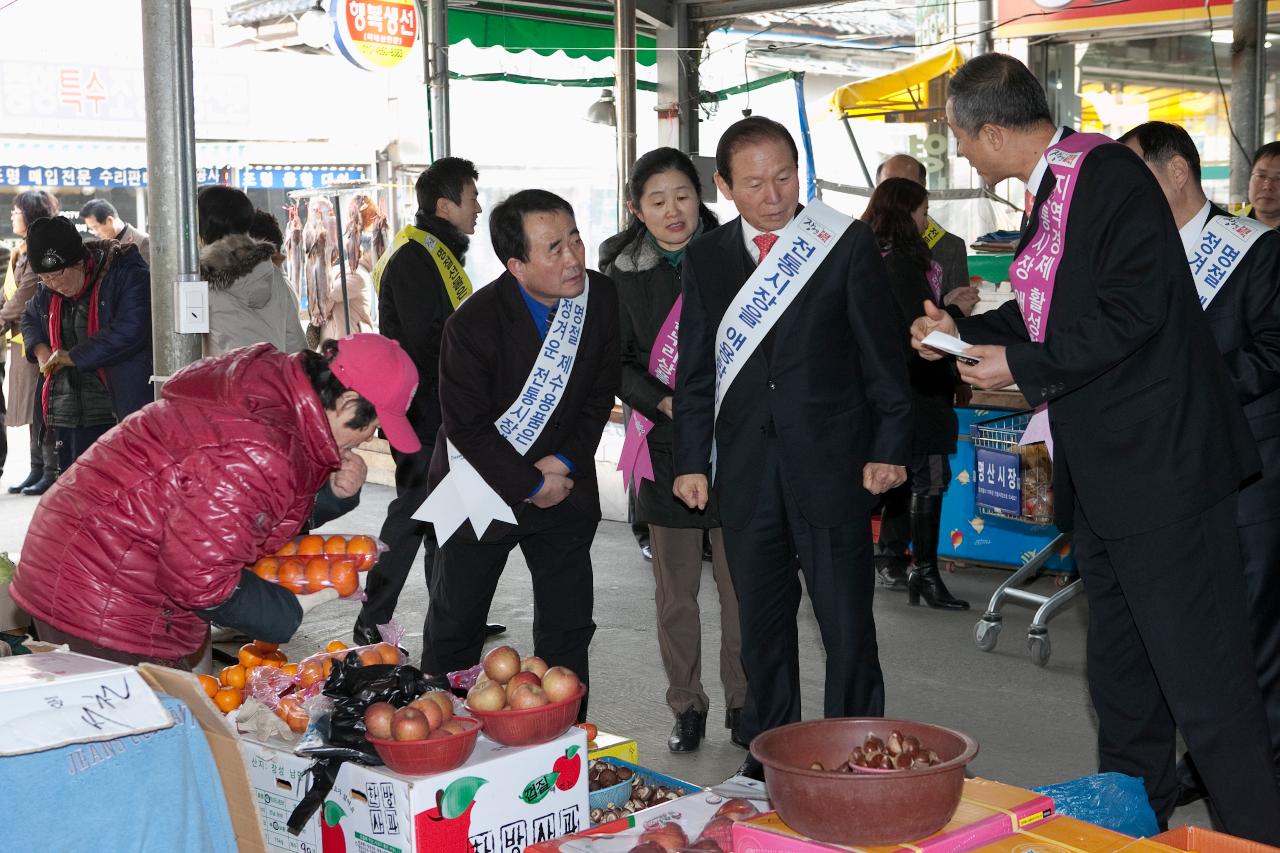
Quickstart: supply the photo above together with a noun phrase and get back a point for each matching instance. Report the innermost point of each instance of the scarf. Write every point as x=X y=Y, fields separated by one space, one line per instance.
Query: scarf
x=95 y=274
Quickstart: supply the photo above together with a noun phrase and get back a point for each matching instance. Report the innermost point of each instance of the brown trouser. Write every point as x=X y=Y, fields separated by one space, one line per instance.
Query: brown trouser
x=677 y=574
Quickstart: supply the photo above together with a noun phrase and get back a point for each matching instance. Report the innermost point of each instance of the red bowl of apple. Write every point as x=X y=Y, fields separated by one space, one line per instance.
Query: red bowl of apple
x=527 y=726
x=435 y=754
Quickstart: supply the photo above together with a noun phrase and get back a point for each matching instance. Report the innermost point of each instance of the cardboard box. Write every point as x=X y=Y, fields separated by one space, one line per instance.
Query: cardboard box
x=614 y=746
x=1062 y=834
x=506 y=798
x=987 y=811
x=224 y=743
x=1207 y=841
x=55 y=699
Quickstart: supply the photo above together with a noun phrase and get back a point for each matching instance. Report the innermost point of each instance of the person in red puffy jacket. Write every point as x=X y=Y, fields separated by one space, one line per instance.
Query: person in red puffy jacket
x=145 y=541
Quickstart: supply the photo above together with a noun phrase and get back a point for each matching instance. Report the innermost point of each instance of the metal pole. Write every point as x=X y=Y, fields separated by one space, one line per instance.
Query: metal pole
x=342 y=264
x=171 y=177
x=848 y=128
x=437 y=50
x=624 y=57
x=982 y=43
x=1248 y=72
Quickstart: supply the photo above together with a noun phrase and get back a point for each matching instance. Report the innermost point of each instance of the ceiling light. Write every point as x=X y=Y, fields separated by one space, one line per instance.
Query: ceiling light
x=602 y=111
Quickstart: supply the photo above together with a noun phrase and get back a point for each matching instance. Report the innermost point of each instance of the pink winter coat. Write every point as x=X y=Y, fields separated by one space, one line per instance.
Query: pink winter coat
x=159 y=516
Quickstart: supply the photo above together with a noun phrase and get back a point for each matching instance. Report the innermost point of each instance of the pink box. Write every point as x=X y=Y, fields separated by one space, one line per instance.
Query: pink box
x=987 y=811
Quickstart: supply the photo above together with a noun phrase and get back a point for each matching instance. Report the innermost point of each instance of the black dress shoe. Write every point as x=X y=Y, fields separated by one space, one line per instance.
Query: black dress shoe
x=32 y=478
x=494 y=629
x=646 y=550
x=732 y=721
x=690 y=728
x=891 y=572
x=365 y=635
x=752 y=769
x=39 y=487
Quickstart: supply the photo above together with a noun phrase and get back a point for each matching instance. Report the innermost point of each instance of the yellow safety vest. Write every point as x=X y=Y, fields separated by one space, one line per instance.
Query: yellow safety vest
x=10 y=291
x=456 y=283
x=933 y=233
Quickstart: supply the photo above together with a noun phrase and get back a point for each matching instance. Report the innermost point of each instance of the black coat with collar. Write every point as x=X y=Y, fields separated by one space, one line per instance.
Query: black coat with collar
x=1245 y=320
x=1147 y=429
x=831 y=377
x=488 y=349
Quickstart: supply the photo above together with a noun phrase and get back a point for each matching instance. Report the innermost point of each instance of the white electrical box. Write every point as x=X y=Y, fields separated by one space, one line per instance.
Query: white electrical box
x=193 y=307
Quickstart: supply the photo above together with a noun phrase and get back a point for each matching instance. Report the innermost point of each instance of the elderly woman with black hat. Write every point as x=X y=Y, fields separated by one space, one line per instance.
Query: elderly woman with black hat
x=89 y=330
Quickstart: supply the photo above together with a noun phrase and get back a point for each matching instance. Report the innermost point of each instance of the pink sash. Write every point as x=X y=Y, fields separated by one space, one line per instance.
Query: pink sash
x=1035 y=271
x=635 y=462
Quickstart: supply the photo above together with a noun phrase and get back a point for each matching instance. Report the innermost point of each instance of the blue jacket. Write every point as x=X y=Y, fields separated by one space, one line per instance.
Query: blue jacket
x=122 y=346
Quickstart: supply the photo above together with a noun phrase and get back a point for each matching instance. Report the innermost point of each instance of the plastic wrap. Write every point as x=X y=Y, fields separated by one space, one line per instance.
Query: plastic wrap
x=1111 y=800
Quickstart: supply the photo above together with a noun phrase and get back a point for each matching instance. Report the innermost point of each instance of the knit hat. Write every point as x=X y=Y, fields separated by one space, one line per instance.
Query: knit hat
x=54 y=244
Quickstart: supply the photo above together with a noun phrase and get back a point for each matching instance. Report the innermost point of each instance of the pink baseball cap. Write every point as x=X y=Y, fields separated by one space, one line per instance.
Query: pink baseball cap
x=377 y=369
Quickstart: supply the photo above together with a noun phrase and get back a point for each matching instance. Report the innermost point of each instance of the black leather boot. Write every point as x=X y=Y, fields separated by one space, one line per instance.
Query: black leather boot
x=34 y=477
x=733 y=722
x=690 y=729
x=924 y=579
x=40 y=486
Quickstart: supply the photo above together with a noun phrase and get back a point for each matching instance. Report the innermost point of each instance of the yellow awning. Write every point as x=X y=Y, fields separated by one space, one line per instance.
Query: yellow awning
x=903 y=89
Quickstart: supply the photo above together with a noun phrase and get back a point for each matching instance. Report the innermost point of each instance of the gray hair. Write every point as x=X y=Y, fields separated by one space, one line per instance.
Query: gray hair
x=995 y=88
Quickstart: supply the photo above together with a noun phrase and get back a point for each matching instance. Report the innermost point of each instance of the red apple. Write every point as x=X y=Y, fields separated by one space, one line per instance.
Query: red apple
x=409 y=724
x=737 y=809
x=501 y=663
x=443 y=701
x=522 y=677
x=377 y=719
x=528 y=696
x=454 y=727
x=561 y=683
x=534 y=664
x=487 y=697
x=669 y=836
x=430 y=710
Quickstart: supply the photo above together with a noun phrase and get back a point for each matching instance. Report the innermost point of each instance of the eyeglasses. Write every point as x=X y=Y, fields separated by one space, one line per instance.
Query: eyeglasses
x=1262 y=179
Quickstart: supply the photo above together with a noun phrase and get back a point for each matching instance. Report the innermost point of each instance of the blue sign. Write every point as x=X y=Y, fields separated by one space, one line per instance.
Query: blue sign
x=277 y=178
x=998 y=478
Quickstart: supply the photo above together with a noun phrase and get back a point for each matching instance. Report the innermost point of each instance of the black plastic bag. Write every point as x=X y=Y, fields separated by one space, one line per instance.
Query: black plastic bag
x=339 y=736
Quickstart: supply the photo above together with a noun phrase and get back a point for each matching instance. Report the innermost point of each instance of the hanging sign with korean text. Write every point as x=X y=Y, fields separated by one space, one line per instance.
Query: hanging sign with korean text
x=375 y=34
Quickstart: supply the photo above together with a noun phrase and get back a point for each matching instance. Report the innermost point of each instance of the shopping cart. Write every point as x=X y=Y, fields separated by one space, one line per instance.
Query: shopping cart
x=1015 y=482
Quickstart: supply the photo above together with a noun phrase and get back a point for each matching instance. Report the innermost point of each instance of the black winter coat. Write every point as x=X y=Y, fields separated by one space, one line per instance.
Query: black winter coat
x=647 y=288
x=933 y=383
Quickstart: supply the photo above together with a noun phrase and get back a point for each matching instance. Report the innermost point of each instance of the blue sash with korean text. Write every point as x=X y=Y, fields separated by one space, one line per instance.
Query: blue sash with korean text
x=801 y=248
x=463 y=495
x=1224 y=241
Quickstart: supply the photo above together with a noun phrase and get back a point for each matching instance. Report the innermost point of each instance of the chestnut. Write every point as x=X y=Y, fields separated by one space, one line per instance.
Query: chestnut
x=894 y=743
x=872 y=744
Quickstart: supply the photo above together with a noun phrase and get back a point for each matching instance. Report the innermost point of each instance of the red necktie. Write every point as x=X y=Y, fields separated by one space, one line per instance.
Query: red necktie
x=764 y=242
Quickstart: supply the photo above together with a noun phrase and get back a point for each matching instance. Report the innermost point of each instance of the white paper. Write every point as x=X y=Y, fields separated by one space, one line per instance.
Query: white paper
x=949 y=344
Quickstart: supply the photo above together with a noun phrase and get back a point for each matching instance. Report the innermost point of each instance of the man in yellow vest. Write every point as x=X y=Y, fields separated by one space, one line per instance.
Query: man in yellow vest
x=420 y=282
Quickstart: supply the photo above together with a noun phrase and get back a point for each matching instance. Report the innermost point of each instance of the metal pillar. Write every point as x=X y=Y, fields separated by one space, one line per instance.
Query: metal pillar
x=986 y=20
x=1248 y=85
x=437 y=57
x=171 y=177
x=678 y=83
x=624 y=57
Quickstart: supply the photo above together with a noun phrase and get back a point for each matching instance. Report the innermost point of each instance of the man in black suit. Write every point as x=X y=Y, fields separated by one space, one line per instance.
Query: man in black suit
x=1149 y=445
x=487 y=359
x=1244 y=316
x=817 y=421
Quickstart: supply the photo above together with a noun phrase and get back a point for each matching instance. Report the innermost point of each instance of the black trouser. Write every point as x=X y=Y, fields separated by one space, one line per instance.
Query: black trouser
x=1169 y=649
x=403 y=535
x=895 y=521
x=838 y=573
x=1260 y=547
x=73 y=441
x=556 y=544
x=44 y=447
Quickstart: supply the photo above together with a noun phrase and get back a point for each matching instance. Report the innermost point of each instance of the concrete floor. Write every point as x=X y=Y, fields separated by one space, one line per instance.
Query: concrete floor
x=1035 y=726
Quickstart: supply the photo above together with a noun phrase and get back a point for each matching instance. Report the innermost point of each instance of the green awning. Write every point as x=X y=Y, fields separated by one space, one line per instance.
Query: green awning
x=578 y=35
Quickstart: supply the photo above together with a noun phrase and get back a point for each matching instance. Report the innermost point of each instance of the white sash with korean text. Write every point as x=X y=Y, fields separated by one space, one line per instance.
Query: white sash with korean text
x=1224 y=241
x=463 y=495
x=801 y=248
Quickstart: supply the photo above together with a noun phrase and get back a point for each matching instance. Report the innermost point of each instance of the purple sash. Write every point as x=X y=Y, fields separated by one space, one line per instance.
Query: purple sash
x=635 y=462
x=1035 y=271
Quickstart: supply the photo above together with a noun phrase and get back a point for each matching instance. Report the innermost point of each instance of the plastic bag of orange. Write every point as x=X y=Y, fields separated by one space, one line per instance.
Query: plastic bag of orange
x=362 y=550
x=314 y=670
x=302 y=575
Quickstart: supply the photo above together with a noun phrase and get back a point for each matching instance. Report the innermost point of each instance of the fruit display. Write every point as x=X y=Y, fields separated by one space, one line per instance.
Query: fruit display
x=422 y=737
x=669 y=836
x=314 y=669
x=311 y=563
x=896 y=752
x=524 y=701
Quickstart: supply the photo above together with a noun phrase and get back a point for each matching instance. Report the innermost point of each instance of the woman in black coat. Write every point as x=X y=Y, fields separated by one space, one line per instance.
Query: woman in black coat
x=898 y=213
x=664 y=200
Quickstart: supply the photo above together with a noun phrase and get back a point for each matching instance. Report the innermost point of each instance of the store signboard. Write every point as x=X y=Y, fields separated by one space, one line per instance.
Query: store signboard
x=375 y=34
x=1023 y=18
x=104 y=177
x=998 y=480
